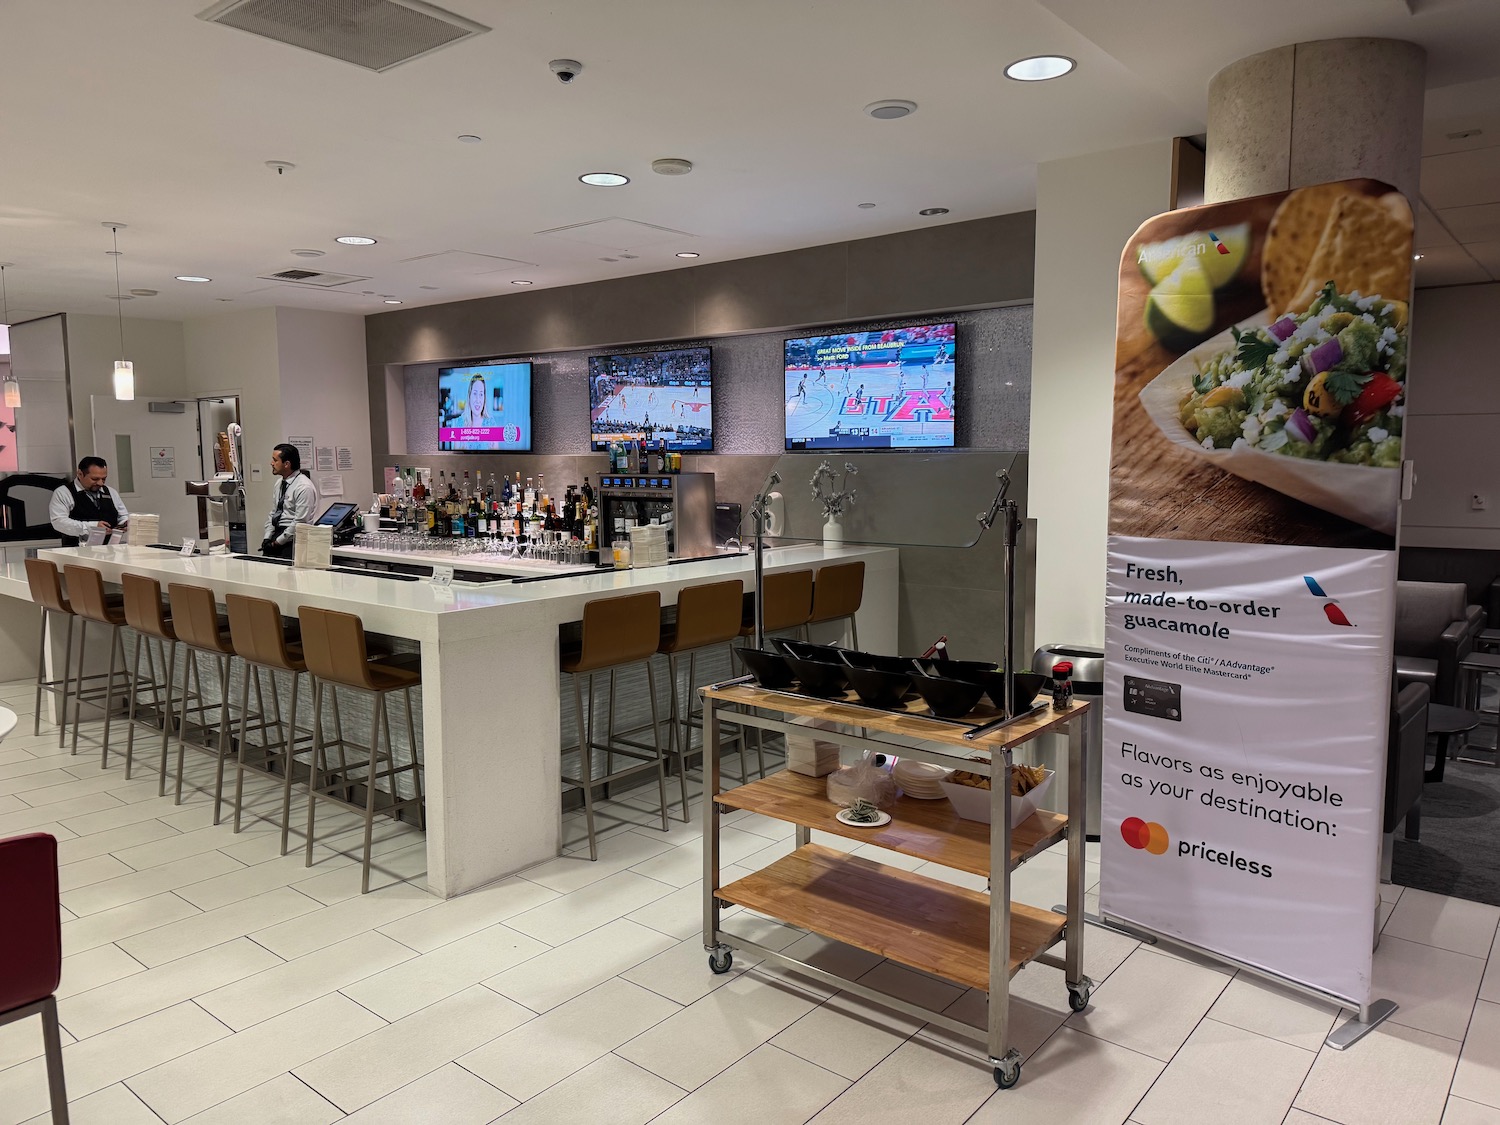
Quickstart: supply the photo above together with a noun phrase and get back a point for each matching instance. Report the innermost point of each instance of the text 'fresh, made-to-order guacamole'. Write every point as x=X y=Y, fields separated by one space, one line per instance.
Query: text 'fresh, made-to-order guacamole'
x=1324 y=385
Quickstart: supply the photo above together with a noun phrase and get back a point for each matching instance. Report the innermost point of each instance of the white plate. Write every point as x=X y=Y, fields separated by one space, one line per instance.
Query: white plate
x=843 y=818
x=1361 y=493
x=920 y=794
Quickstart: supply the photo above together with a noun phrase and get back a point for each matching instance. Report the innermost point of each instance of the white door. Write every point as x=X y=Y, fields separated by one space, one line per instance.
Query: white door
x=151 y=457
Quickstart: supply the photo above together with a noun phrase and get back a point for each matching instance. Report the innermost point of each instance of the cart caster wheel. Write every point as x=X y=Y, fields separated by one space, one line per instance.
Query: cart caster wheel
x=1078 y=998
x=1007 y=1075
x=720 y=960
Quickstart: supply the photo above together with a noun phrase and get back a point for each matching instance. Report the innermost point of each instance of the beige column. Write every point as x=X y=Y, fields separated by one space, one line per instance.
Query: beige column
x=1313 y=112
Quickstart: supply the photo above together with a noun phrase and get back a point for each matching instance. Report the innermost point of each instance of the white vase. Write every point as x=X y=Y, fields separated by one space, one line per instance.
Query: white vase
x=833 y=532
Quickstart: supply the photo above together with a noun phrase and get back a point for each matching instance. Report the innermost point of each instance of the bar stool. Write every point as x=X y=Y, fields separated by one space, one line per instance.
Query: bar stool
x=334 y=648
x=258 y=634
x=91 y=604
x=45 y=582
x=617 y=632
x=788 y=607
x=196 y=620
x=838 y=590
x=707 y=615
x=145 y=614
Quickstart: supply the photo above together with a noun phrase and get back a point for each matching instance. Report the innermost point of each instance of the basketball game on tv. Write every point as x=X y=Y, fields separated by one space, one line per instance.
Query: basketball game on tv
x=653 y=396
x=889 y=389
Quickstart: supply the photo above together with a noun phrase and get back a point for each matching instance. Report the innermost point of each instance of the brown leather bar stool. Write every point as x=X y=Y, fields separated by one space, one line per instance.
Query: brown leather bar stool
x=195 y=617
x=788 y=606
x=258 y=633
x=45 y=582
x=838 y=590
x=91 y=605
x=617 y=632
x=145 y=614
x=333 y=645
x=707 y=615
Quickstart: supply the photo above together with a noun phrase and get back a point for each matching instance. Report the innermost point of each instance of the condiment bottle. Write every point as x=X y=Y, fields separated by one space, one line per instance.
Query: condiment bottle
x=1062 y=685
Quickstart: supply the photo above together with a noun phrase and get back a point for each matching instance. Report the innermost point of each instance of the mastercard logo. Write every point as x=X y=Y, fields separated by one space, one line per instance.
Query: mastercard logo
x=1145 y=835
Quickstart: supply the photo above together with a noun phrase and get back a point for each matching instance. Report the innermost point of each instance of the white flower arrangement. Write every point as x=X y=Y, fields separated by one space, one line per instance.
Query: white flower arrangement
x=837 y=497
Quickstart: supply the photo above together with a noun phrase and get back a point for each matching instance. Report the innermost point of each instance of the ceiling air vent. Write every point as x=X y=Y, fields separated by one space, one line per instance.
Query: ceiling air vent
x=374 y=34
x=312 y=277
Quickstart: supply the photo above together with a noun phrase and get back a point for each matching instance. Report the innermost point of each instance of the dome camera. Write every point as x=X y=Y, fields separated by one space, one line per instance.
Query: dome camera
x=565 y=69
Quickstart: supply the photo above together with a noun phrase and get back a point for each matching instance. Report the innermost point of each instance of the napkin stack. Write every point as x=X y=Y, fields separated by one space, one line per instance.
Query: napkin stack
x=144 y=528
x=313 y=547
x=811 y=756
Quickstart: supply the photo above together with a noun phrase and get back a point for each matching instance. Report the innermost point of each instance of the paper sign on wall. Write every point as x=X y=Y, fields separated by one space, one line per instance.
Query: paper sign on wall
x=304 y=448
x=331 y=485
x=1259 y=406
x=345 y=459
x=163 y=461
x=325 y=460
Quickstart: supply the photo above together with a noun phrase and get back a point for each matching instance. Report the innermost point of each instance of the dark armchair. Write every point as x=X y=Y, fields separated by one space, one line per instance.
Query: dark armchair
x=31 y=940
x=1405 y=763
x=1435 y=629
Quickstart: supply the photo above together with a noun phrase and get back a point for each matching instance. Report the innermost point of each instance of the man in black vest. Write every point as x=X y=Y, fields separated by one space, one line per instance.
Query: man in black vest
x=86 y=502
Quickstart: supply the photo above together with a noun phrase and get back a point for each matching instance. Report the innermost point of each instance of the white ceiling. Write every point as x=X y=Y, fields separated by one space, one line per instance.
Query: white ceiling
x=140 y=113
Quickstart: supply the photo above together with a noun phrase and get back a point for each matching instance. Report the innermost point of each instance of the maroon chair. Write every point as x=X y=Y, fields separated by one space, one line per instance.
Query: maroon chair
x=31 y=948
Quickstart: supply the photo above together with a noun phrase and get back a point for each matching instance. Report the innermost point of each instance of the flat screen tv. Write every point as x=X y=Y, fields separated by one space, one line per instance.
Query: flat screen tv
x=887 y=389
x=653 y=396
x=485 y=407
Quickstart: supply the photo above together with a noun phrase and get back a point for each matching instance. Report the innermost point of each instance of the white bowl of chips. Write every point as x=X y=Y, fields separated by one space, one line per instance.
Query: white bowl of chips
x=973 y=803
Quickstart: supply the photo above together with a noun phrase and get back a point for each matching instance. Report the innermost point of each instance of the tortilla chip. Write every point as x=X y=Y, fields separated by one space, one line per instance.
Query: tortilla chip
x=1293 y=237
x=1365 y=248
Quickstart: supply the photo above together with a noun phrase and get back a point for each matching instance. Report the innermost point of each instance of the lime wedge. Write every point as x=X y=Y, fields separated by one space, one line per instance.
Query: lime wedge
x=1157 y=260
x=1180 y=308
x=1226 y=257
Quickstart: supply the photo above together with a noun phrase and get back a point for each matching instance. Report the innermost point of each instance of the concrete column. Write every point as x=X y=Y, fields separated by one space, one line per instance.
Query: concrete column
x=1331 y=110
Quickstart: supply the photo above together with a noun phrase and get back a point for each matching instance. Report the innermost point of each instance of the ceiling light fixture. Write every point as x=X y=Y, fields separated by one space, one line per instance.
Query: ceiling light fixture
x=687 y=253
x=1039 y=68
x=192 y=277
x=671 y=166
x=469 y=139
x=355 y=240
x=518 y=281
x=929 y=211
x=1418 y=257
x=866 y=206
x=604 y=179
x=124 y=370
x=392 y=301
x=891 y=109
x=307 y=253
x=12 y=387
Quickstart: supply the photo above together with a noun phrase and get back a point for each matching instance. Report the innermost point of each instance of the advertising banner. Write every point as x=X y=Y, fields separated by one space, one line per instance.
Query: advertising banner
x=1255 y=484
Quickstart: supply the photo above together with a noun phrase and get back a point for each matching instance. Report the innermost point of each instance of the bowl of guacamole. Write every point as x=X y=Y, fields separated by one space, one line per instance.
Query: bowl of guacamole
x=1312 y=404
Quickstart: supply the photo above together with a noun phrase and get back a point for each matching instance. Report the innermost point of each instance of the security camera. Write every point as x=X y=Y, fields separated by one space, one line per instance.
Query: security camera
x=565 y=69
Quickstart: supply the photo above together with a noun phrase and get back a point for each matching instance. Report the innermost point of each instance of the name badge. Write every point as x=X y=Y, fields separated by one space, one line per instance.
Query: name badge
x=442 y=576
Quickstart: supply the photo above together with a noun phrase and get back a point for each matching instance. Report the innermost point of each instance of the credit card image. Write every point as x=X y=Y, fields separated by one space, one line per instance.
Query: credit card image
x=1156 y=698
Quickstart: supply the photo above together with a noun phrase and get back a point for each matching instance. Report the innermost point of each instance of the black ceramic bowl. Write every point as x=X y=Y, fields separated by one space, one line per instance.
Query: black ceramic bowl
x=770 y=669
x=970 y=671
x=895 y=665
x=818 y=677
x=805 y=650
x=1027 y=685
x=950 y=699
x=879 y=688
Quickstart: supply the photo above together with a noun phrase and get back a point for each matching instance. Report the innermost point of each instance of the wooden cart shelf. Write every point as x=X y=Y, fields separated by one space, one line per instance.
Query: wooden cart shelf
x=928 y=830
x=913 y=919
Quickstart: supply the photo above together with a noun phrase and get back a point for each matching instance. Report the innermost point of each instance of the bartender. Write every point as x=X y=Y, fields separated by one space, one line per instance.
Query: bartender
x=86 y=502
x=296 y=502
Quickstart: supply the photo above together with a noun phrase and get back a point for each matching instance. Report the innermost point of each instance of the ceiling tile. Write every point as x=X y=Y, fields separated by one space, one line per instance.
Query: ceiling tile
x=617 y=234
x=1449 y=265
x=455 y=265
x=1473 y=224
x=1487 y=254
x=1430 y=230
x=1462 y=179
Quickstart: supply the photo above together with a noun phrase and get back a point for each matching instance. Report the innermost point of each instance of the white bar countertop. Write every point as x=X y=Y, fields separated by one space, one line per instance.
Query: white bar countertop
x=493 y=794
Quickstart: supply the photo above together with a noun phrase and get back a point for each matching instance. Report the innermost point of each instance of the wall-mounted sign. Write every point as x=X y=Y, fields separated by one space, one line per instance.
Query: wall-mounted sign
x=163 y=461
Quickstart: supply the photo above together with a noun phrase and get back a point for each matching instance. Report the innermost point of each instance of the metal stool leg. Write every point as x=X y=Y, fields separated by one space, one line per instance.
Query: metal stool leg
x=661 y=754
x=116 y=645
x=586 y=760
x=416 y=765
x=62 y=716
x=223 y=745
x=57 y=1091
x=239 y=757
x=135 y=695
x=83 y=641
x=190 y=672
x=377 y=712
x=288 y=758
x=169 y=654
x=312 y=779
x=41 y=675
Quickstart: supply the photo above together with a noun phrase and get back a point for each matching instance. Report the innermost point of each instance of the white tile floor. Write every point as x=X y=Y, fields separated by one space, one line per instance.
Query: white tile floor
x=208 y=980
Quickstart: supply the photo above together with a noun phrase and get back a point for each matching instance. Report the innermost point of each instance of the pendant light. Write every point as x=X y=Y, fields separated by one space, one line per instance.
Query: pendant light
x=124 y=369
x=12 y=387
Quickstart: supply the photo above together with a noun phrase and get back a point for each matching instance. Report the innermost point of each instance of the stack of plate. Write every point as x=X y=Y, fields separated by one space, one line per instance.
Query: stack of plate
x=921 y=780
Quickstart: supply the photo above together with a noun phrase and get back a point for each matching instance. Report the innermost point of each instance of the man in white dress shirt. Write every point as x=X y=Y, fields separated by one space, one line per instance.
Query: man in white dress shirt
x=296 y=502
x=86 y=502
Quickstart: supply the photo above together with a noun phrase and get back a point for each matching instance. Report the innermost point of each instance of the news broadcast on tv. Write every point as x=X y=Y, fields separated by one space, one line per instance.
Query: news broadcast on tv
x=888 y=389
x=485 y=407
x=653 y=396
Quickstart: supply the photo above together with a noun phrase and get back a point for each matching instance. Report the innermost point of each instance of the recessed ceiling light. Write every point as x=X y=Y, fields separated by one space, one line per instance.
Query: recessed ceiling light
x=191 y=277
x=355 y=240
x=432 y=287
x=866 y=206
x=469 y=139
x=933 y=211
x=671 y=166
x=307 y=253
x=519 y=281
x=604 y=179
x=891 y=109
x=1039 y=68
x=392 y=301
x=1418 y=257
x=687 y=253
x=629 y=257
x=143 y=292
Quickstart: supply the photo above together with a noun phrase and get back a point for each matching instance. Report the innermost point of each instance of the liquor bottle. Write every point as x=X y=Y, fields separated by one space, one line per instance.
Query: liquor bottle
x=489 y=489
x=505 y=497
x=467 y=492
x=588 y=493
x=541 y=489
x=475 y=524
x=530 y=493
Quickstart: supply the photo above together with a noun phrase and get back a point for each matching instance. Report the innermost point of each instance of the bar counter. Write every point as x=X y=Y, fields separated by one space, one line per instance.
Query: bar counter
x=490 y=683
